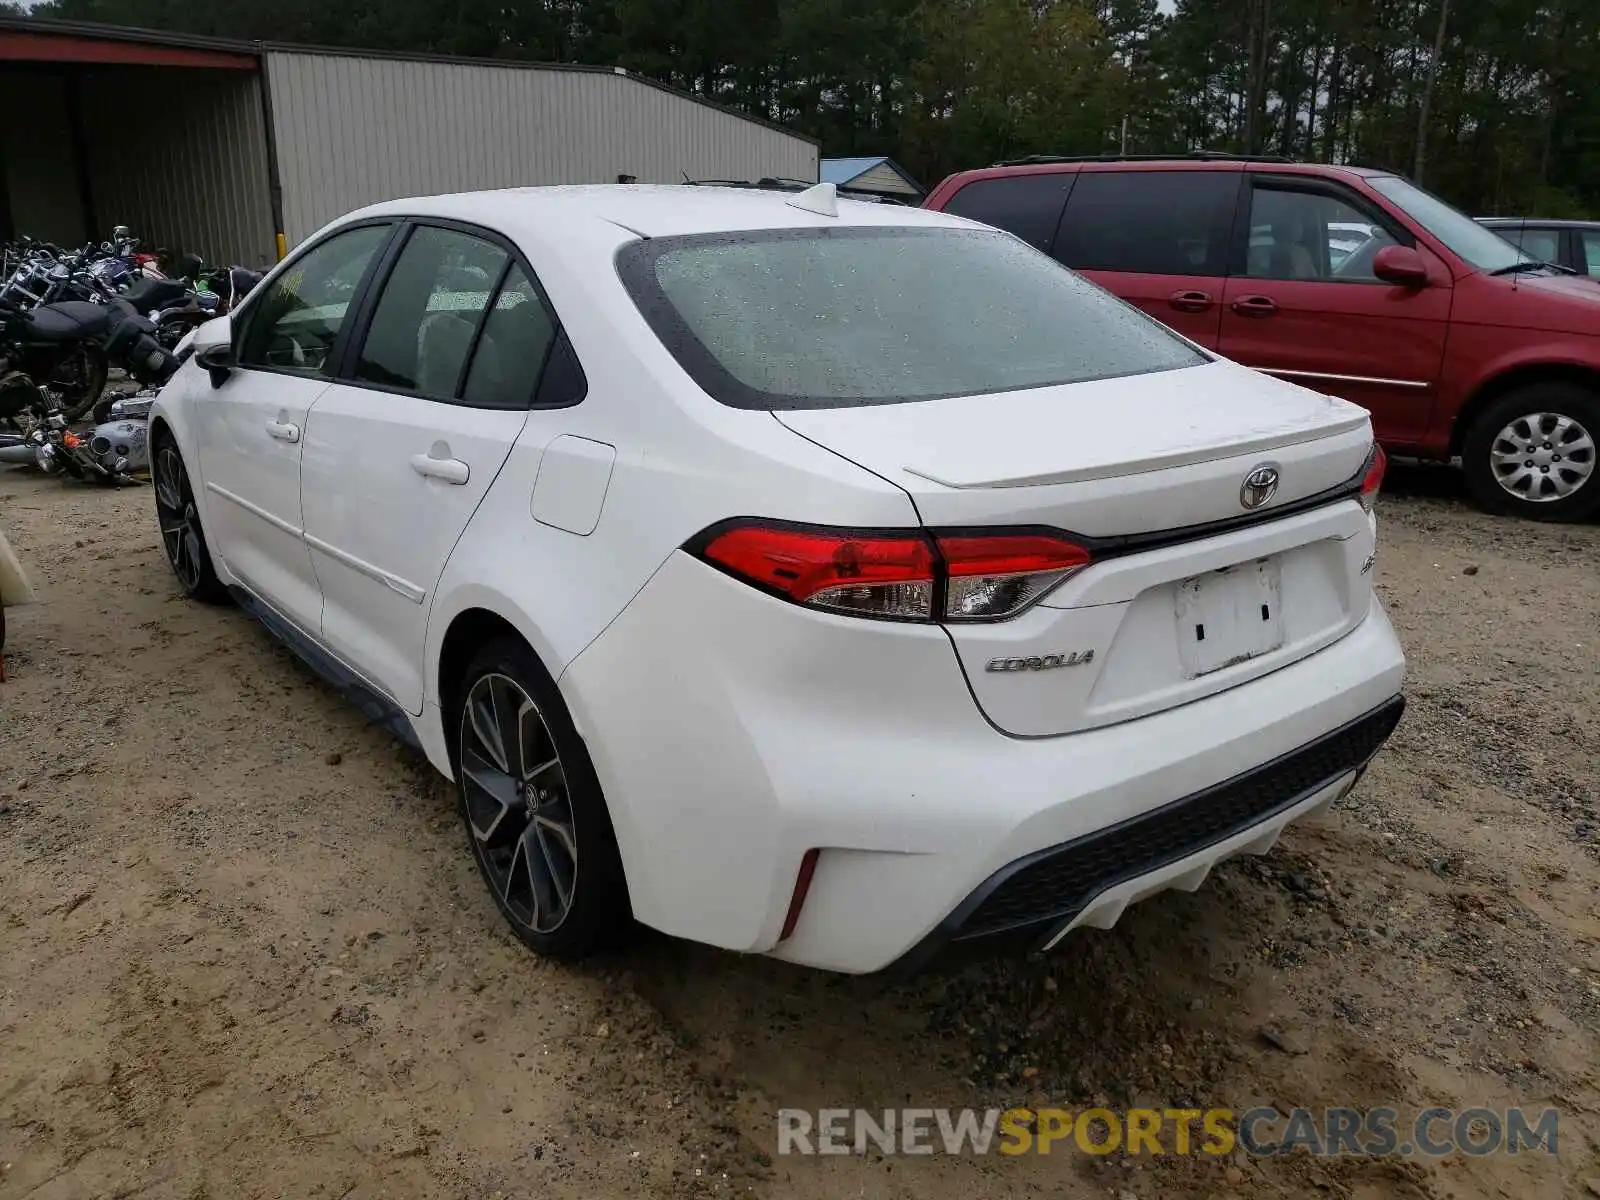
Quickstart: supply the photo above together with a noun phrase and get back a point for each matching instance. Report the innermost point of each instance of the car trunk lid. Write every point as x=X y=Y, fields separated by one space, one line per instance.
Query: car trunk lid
x=1192 y=589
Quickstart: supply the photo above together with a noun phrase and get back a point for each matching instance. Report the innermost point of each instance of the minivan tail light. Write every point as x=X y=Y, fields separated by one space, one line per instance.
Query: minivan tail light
x=1372 y=477
x=895 y=575
x=997 y=576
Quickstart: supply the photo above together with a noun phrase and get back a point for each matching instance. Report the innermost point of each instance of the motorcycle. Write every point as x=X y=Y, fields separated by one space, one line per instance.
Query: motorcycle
x=74 y=372
x=40 y=274
x=117 y=447
x=177 y=293
x=231 y=285
x=215 y=292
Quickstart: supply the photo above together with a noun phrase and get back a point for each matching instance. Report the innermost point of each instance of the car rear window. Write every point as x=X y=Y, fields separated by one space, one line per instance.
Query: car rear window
x=829 y=318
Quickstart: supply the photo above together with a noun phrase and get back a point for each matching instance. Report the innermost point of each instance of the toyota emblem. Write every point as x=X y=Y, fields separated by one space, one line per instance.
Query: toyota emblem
x=1259 y=486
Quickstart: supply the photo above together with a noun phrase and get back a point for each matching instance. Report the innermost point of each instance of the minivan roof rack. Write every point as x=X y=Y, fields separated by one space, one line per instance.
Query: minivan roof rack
x=1197 y=155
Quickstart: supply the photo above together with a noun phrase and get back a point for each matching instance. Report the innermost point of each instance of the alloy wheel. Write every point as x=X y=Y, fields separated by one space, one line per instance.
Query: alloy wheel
x=179 y=521
x=518 y=804
x=1542 y=457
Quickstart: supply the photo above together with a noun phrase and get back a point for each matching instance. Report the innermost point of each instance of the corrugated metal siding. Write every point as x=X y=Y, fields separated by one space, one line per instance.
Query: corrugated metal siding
x=190 y=173
x=351 y=131
x=37 y=144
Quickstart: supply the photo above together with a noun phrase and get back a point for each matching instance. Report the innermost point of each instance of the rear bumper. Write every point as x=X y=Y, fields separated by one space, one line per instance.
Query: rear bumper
x=1037 y=900
x=733 y=732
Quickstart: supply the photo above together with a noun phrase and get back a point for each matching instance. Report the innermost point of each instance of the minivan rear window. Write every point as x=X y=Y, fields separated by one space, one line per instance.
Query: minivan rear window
x=829 y=318
x=1026 y=205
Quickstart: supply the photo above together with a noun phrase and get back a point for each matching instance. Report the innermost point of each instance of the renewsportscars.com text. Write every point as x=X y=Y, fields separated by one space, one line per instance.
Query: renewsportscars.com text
x=1263 y=1132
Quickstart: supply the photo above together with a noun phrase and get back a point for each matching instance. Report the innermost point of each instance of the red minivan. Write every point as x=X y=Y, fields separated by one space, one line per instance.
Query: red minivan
x=1349 y=281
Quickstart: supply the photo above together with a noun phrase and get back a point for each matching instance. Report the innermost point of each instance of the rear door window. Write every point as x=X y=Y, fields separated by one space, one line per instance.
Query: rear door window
x=1589 y=261
x=1026 y=205
x=1149 y=222
x=428 y=315
x=512 y=351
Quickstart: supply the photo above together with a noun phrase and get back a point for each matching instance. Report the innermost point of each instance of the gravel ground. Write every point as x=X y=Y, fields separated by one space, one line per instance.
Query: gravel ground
x=243 y=951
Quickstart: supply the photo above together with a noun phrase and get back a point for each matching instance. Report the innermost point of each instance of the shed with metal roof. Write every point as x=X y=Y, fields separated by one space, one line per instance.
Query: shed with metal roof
x=234 y=149
x=879 y=174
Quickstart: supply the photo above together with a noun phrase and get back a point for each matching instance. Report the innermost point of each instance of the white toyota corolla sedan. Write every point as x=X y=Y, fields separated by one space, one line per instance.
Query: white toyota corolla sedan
x=836 y=581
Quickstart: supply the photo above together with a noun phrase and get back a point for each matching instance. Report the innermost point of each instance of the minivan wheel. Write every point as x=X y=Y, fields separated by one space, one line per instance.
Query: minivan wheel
x=1532 y=453
x=535 y=817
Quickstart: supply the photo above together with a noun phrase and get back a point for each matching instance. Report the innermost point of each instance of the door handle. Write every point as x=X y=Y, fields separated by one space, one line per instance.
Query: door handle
x=434 y=465
x=1190 y=301
x=1255 y=306
x=284 y=431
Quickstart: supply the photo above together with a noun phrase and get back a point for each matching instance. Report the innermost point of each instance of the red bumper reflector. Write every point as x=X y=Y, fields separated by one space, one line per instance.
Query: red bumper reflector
x=802 y=885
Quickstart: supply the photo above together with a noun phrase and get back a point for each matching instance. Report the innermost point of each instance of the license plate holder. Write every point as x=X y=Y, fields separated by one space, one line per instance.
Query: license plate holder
x=1229 y=616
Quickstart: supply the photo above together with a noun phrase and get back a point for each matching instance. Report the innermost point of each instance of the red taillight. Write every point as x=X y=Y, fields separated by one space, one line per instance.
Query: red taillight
x=901 y=576
x=871 y=575
x=1372 y=478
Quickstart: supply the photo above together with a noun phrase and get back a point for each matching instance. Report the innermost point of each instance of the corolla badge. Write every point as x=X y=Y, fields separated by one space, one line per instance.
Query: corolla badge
x=1042 y=662
x=1259 y=486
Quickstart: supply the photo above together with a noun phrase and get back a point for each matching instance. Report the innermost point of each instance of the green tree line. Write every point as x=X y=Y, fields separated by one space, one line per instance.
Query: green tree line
x=1489 y=102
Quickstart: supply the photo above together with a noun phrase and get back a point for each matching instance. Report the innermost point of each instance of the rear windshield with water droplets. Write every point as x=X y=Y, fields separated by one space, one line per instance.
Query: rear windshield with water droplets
x=830 y=318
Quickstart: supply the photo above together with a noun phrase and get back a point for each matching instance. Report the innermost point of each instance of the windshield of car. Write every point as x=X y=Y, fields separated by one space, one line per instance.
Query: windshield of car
x=826 y=318
x=1481 y=247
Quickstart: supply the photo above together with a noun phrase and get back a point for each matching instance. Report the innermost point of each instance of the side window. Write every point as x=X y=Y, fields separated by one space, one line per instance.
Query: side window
x=294 y=326
x=428 y=314
x=1026 y=205
x=1311 y=236
x=1154 y=222
x=1591 y=251
x=1543 y=244
x=512 y=351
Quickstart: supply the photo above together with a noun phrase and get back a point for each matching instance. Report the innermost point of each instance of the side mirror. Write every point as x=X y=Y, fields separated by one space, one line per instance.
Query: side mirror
x=213 y=349
x=218 y=361
x=1400 y=265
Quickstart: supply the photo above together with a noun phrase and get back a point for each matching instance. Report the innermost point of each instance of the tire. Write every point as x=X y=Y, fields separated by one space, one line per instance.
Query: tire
x=1532 y=453
x=182 y=538
x=534 y=814
x=82 y=387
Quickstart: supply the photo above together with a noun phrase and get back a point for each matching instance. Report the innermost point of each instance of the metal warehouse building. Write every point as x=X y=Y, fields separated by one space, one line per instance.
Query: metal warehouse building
x=225 y=148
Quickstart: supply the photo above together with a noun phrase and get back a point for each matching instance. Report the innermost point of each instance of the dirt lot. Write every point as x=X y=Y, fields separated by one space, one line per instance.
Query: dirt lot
x=243 y=951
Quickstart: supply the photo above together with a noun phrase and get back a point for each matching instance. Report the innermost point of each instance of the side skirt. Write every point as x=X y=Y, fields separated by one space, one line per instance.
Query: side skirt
x=381 y=710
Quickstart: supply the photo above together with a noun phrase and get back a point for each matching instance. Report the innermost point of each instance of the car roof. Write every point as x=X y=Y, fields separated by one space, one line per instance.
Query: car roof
x=1175 y=163
x=1537 y=223
x=652 y=210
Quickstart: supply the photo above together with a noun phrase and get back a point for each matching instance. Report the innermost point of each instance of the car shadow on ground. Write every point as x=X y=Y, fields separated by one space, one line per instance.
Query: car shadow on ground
x=1108 y=1017
x=1425 y=480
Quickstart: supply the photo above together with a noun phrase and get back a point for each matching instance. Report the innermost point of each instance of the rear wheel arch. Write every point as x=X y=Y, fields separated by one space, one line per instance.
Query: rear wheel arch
x=481 y=649
x=468 y=630
x=1511 y=380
